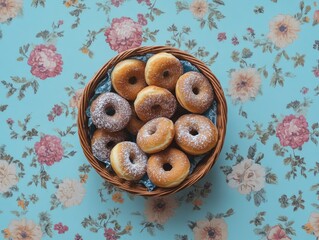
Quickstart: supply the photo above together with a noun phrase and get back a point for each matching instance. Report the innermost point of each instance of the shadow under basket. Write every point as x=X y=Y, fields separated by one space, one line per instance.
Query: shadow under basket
x=203 y=166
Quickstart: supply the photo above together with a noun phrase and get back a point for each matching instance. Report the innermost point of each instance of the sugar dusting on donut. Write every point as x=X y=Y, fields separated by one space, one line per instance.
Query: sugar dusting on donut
x=129 y=150
x=112 y=123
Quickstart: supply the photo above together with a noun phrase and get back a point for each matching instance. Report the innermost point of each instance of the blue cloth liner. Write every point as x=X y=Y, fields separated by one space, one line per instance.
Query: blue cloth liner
x=106 y=86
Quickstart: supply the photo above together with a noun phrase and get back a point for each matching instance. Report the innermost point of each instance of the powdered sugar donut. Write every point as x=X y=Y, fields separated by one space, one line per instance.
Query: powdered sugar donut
x=111 y=112
x=128 y=161
x=195 y=134
x=194 y=92
x=168 y=168
x=103 y=141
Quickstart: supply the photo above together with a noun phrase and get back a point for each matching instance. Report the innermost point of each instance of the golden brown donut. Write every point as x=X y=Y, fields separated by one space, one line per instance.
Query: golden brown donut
x=156 y=135
x=153 y=102
x=128 y=161
x=168 y=168
x=163 y=70
x=194 y=92
x=128 y=78
x=135 y=124
x=195 y=134
x=110 y=111
x=103 y=141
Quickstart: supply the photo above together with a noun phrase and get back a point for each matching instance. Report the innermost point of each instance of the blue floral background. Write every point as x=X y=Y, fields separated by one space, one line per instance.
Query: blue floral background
x=264 y=184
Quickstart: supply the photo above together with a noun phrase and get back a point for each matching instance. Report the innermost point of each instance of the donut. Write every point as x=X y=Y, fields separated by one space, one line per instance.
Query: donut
x=194 y=92
x=110 y=111
x=103 y=141
x=156 y=135
x=163 y=70
x=128 y=161
x=135 y=124
x=195 y=134
x=153 y=102
x=128 y=78
x=168 y=168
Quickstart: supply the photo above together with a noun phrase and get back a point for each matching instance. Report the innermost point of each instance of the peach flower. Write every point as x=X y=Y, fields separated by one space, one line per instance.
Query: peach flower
x=215 y=229
x=76 y=98
x=314 y=222
x=9 y=9
x=277 y=233
x=160 y=209
x=244 y=84
x=283 y=30
x=199 y=8
x=24 y=230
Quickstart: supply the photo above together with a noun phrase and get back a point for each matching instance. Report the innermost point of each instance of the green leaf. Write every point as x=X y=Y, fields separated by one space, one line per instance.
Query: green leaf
x=282 y=218
x=252 y=151
x=3 y=107
x=219 y=2
x=271 y=178
x=20 y=59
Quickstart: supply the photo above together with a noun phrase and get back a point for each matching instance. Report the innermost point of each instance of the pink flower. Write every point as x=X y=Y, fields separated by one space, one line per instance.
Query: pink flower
x=160 y=209
x=78 y=237
x=60 y=22
x=316 y=72
x=141 y=19
x=277 y=233
x=234 y=41
x=117 y=3
x=75 y=100
x=110 y=234
x=124 y=34
x=293 y=131
x=61 y=228
x=49 y=150
x=45 y=62
x=148 y=2
x=50 y=117
x=10 y=121
x=316 y=16
x=57 y=109
x=250 y=30
x=221 y=36
x=304 y=90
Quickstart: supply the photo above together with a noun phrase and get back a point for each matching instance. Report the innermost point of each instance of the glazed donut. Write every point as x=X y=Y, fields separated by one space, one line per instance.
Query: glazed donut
x=111 y=112
x=128 y=78
x=163 y=70
x=168 y=168
x=153 y=102
x=128 y=161
x=156 y=135
x=135 y=124
x=195 y=134
x=103 y=141
x=194 y=92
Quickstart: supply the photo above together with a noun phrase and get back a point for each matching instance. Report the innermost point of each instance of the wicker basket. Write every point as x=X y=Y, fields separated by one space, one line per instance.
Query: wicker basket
x=201 y=169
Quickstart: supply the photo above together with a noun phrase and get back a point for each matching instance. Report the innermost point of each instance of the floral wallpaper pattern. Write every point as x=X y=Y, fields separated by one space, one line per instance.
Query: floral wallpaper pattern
x=265 y=183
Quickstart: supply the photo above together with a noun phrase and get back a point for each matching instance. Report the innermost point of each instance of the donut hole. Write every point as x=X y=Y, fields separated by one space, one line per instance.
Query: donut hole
x=165 y=74
x=110 y=144
x=156 y=108
x=152 y=130
x=132 y=80
x=132 y=158
x=110 y=111
x=167 y=167
x=195 y=90
x=193 y=132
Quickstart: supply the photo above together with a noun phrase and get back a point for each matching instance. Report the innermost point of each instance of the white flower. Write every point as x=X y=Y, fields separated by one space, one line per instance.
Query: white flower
x=247 y=176
x=8 y=177
x=24 y=230
x=199 y=8
x=9 y=9
x=244 y=84
x=283 y=30
x=70 y=192
x=314 y=222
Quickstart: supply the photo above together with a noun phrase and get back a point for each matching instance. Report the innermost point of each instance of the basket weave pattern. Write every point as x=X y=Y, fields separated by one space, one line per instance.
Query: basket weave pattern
x=201 y=169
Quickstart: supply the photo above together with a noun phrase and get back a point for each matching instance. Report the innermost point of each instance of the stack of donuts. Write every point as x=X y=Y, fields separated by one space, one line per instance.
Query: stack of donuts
x=161 y=107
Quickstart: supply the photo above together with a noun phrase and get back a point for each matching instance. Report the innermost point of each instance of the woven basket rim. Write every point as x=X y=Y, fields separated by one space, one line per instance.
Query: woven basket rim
x=201 y=169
